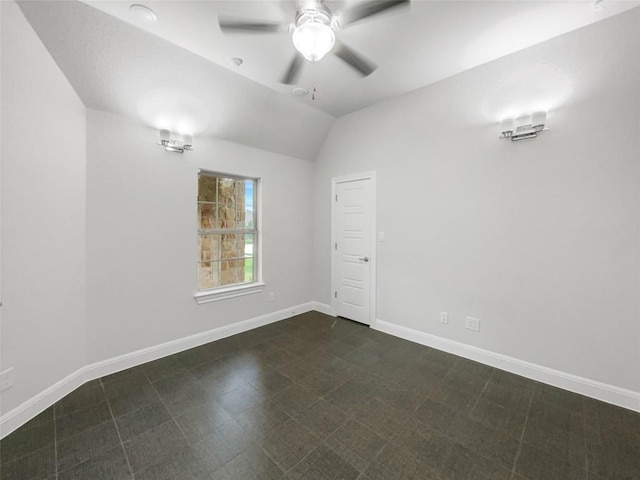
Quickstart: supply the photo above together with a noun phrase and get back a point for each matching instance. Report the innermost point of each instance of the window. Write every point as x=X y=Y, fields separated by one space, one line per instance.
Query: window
x=228 y=247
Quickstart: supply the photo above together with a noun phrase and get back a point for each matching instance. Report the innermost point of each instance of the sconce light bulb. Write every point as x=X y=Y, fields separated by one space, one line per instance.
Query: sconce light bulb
x=178 y=144
x=507 y=126
x=165 y=136
x=538 y=119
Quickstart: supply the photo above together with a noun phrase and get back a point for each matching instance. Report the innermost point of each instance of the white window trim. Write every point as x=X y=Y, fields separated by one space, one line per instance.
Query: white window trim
x=208 y=296
x=242 y=289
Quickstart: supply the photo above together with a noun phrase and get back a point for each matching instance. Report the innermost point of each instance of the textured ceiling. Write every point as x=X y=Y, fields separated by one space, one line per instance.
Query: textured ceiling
x=118 y=68
x=415 y=46
x=176 y=72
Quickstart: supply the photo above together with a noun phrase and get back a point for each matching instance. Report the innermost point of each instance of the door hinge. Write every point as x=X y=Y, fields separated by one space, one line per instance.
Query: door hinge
x=336 y=246
x=335 y=294
x=336 y=197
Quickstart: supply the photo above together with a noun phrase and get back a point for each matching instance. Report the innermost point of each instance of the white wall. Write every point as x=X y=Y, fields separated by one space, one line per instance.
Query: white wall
x=43 y=215
x=538 y=239
x=142 y=246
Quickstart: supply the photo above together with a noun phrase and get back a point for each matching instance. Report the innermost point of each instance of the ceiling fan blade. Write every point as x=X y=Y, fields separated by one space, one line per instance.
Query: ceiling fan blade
x=232 y=25
x=354 y=59
x=288 y=7
x=293 y=72
x=368 y=9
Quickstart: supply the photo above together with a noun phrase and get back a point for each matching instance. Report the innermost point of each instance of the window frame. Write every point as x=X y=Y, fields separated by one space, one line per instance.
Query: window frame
x=239 y=289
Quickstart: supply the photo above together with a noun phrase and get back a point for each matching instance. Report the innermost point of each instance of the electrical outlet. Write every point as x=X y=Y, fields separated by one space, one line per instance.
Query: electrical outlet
x=471 y=323
x=272 y=296
x=6 y=379
x=444 y=317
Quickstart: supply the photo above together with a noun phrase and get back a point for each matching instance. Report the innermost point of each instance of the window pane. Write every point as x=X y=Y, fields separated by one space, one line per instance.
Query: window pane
x=228 y=258
x=239 y=188
x=248 y=270
x=248 y=245
x=240 y=246
x=232 y=271
x=205 y=216
x=226 y=217
x=226 y=190
x=208 y=247
x=248 y=190
x=244 y=220
x=240 y=203
x=205 y=276
x=229 y=247
x=204 y=247
x=249 y=220
x=207 y=187
x=240 y=212
x=215 y=268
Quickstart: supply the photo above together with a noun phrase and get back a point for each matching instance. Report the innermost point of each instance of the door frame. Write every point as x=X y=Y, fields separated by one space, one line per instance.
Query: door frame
x=334 y=257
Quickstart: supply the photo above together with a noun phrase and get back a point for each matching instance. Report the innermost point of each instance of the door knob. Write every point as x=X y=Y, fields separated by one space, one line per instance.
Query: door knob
x=364 y=259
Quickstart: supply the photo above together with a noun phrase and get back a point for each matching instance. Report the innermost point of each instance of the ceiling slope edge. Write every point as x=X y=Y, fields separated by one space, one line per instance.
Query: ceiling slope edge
x=118 y=68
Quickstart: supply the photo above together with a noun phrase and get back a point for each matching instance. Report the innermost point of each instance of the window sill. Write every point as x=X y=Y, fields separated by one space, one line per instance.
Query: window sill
x=228 y=292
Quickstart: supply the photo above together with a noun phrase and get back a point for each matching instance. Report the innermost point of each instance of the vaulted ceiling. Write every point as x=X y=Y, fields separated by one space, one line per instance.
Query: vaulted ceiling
x=177 y=72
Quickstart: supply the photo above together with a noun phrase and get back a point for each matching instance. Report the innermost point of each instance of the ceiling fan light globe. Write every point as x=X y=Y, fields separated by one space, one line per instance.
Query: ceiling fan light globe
x=313 y=40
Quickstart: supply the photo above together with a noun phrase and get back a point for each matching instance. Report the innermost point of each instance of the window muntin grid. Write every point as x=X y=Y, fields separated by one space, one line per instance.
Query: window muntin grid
x=227 y=231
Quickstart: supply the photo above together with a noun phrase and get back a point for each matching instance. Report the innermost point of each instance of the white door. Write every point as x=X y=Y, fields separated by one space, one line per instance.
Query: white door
x=353 y=261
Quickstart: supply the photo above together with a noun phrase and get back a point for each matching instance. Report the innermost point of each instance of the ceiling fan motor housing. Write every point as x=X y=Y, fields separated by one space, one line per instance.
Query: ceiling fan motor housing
x=319 y=15
x=314 y=35
x=314 y=32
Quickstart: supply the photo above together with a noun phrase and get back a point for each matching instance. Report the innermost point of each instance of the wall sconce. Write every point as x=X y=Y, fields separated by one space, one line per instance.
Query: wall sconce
x=508 y=128
x=179 y=145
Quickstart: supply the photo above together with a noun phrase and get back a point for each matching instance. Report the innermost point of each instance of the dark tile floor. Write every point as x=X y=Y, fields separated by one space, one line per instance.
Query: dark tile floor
x=314 y=397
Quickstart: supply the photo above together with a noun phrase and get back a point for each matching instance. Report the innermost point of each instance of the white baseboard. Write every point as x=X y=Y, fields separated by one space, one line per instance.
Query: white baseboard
x=128 y=360
x=40 y=402
x=24 y=412
x=584 y=386
x=322 y=308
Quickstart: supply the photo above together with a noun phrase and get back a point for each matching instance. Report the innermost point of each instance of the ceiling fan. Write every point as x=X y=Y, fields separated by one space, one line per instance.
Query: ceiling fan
x=313 y=32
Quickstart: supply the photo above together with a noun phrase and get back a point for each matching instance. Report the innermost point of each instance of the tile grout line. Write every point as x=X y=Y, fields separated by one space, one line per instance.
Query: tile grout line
x=320 y=397
x=269 y=399
x=303 y=458
x=258 y=444
x=380 y=450
x=323 y=439
x=113 y=419
x=484 y=387
x=175 y=421
x=350 y=416
x=585 y=462
x=173 y=418
x=291 y=417
x=55 y=440
x=524 y=428
x=452 y=439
